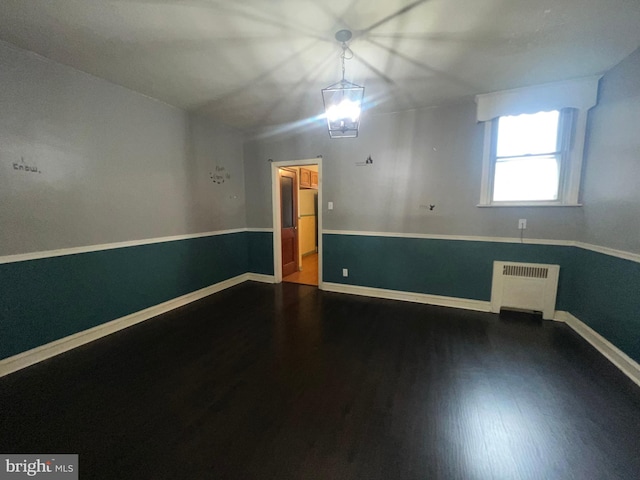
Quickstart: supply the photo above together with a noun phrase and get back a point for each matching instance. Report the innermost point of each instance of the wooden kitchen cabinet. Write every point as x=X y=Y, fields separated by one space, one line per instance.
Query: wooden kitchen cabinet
x=308 y=178
x=305 y=178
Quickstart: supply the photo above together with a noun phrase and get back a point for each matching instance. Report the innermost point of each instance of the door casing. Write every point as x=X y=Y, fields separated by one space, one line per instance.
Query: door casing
x=275 y=208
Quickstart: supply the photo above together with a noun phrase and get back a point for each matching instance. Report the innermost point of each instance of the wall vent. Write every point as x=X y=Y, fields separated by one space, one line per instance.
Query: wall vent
x=528 y=271
x=528 y=286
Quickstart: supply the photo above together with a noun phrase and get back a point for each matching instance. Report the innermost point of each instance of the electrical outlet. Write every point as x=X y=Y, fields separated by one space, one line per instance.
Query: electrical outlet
x=522 y=224
x=330 y=206
x=345 y=272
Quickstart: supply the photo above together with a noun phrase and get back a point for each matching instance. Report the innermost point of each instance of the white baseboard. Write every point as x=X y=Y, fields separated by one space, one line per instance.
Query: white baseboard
x=464 y=303
x=259 y=277
x=22 y=360
x=626 y=364
x=38 y=354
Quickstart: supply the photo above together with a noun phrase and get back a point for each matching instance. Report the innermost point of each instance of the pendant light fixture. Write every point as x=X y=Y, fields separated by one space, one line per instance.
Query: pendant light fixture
x=343 y=99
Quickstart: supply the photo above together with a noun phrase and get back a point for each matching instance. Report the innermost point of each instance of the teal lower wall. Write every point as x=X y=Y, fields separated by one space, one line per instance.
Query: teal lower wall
x=607 y=298
x=260 y=246
x=451 y=268
x=48 y=299
x=601 y=290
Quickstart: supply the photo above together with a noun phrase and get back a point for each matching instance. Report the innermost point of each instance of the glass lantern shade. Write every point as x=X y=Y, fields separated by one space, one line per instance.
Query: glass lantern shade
x=343 y=105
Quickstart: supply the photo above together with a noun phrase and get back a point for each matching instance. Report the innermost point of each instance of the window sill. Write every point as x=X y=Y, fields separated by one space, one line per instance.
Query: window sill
x=527 y=204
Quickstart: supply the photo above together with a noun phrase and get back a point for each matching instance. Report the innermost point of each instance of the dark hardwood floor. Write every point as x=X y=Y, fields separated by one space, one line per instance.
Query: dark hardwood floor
x=288 y=382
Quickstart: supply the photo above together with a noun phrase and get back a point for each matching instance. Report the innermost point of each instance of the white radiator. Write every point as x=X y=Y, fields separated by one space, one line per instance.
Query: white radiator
x=527 y=286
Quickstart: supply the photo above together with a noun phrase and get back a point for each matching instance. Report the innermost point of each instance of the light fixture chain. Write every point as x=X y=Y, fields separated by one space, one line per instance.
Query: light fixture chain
x=343 y=56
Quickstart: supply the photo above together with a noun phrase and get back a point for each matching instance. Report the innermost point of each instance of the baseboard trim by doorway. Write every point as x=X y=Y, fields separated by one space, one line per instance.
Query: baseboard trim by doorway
x=439 y=300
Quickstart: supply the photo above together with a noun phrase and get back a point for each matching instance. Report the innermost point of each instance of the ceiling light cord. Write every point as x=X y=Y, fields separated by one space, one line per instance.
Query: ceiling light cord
x=346 y=54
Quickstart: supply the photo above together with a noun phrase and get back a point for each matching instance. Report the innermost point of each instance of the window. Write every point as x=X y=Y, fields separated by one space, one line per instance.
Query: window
x=534 y=142
x=527 y=157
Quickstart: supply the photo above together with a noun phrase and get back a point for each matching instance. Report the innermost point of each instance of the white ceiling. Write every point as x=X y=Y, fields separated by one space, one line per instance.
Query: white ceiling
x=258 y=62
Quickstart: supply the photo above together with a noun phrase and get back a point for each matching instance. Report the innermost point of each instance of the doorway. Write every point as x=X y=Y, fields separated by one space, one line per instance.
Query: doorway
x=297 y=221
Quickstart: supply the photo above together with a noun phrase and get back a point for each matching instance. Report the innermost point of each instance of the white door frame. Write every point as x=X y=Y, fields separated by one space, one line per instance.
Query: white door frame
x=277 y=224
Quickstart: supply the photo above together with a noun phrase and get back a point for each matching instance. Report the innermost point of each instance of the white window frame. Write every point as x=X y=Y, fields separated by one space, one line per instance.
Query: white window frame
x=578 y=95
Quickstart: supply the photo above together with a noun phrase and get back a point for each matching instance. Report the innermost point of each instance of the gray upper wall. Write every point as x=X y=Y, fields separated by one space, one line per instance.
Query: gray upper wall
x=611 y=181
x=112 y=165
x=116 y=165
x=421 y=157
x=216 y=176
